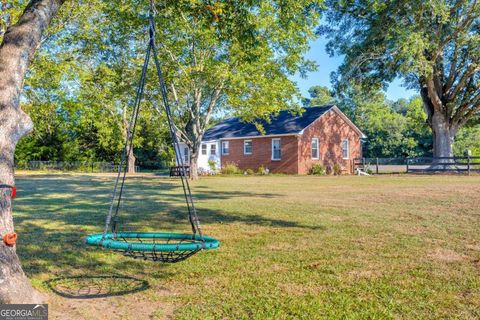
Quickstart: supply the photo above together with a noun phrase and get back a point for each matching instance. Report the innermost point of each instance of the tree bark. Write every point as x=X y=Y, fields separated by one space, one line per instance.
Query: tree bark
x=131 y=162
x=443 y=127
x=443 y=135
x=196 y=127
x=16 y=52
x=194 y=164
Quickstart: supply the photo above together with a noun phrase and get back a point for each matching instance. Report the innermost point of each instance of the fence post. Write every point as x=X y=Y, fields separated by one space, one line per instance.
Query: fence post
x=468 y=163
x=363 y=164
x=407 y=164
x=377 y=166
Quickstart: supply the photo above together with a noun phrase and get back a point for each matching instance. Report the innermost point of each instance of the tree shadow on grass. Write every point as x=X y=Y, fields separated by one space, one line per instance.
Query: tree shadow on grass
x=84 y=201
x=54 y=214
x=97 y=286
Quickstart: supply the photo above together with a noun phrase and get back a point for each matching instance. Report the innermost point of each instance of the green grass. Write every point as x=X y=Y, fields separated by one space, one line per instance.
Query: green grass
x=388 y=247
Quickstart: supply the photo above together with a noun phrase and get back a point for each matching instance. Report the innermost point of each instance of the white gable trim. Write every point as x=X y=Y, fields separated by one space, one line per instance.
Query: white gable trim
x=343 y=116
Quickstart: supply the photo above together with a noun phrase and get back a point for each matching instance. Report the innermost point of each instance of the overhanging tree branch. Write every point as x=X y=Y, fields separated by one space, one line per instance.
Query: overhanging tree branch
x=462 y=82
x=213 y=101
x=453 y=69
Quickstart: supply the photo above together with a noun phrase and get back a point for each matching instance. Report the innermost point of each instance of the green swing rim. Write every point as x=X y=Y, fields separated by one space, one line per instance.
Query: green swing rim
x=115 y=242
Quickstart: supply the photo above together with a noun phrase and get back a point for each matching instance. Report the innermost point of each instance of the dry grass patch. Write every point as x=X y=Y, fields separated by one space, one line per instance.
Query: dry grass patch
x=446 y=255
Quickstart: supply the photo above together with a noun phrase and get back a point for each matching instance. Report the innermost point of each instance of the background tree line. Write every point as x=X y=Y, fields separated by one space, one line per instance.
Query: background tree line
x=81 y=83
x=394 y=128
x=231 y=57
x=68 y=131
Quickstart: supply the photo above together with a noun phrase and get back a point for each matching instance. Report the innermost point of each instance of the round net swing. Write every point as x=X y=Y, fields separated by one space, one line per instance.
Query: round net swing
x=152 y=246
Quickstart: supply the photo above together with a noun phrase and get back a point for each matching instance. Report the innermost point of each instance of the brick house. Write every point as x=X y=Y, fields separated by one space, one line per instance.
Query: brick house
x=291 y=143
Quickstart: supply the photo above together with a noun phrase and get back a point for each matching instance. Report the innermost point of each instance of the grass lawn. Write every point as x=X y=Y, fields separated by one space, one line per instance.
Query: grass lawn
x=402 y=247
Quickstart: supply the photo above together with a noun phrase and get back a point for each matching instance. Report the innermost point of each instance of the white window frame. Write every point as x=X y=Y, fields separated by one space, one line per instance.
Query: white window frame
x=227 y=143
x=318 y=149
x=213 y=147
x=273 y=153
x=251 y=147
x=347 y=149
x=186 y=155
x=204 y=148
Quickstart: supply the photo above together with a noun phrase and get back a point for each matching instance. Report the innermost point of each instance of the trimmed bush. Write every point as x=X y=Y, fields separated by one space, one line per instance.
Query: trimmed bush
x=318 y=169
x=230 y=168
x=213 y=165
x=262 y=171
x=337 y=169
x=249 y=172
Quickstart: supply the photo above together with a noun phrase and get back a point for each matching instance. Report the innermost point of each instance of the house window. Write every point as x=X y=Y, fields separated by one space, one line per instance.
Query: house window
x=345 y=149
x=276 y=149
x=315 y=155
x=213 y=149
x=186 y=154
x=204 y=149
x=225 y=147
x=247 y=146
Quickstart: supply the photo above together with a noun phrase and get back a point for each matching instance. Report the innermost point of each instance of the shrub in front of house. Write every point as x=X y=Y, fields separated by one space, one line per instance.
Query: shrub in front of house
x=328 y=170
x=337 y=169
x=318 y=169
x=249 y=172
x=212 y=165
x=230 y=168
x=262 y=170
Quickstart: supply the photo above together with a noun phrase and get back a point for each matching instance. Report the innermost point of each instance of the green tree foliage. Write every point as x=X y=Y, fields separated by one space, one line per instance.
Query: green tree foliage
x=393 y=129
x=10 y=11
x=319 y=96
x=385 y=129
x=82 y=83
x=468 y=139
x=226 y=57
x=433 y=45
x=233 y=57
x=417 y=127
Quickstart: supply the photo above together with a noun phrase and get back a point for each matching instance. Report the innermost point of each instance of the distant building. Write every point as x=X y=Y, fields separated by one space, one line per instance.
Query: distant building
x=291 y=143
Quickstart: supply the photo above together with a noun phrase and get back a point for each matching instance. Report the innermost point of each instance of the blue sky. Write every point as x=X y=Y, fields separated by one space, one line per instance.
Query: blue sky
x=327 y=64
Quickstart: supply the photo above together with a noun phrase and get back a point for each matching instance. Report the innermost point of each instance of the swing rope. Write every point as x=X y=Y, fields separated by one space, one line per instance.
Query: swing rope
x=153 y=246
x=122 y=169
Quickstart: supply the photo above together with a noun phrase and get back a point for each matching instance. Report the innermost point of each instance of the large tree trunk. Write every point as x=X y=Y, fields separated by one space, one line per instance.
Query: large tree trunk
x=194 y=164
x=443 y=135
x=131 y=162
x=16 y=52
x=443 y=128
x=192 y=132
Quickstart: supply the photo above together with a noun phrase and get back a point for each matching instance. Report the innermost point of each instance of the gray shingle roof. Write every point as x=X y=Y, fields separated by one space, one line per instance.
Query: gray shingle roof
x=283 y=123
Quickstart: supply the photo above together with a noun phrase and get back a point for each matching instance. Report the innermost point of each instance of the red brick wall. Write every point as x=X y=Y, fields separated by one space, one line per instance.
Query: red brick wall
x=262 y=154
x=330 y=129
